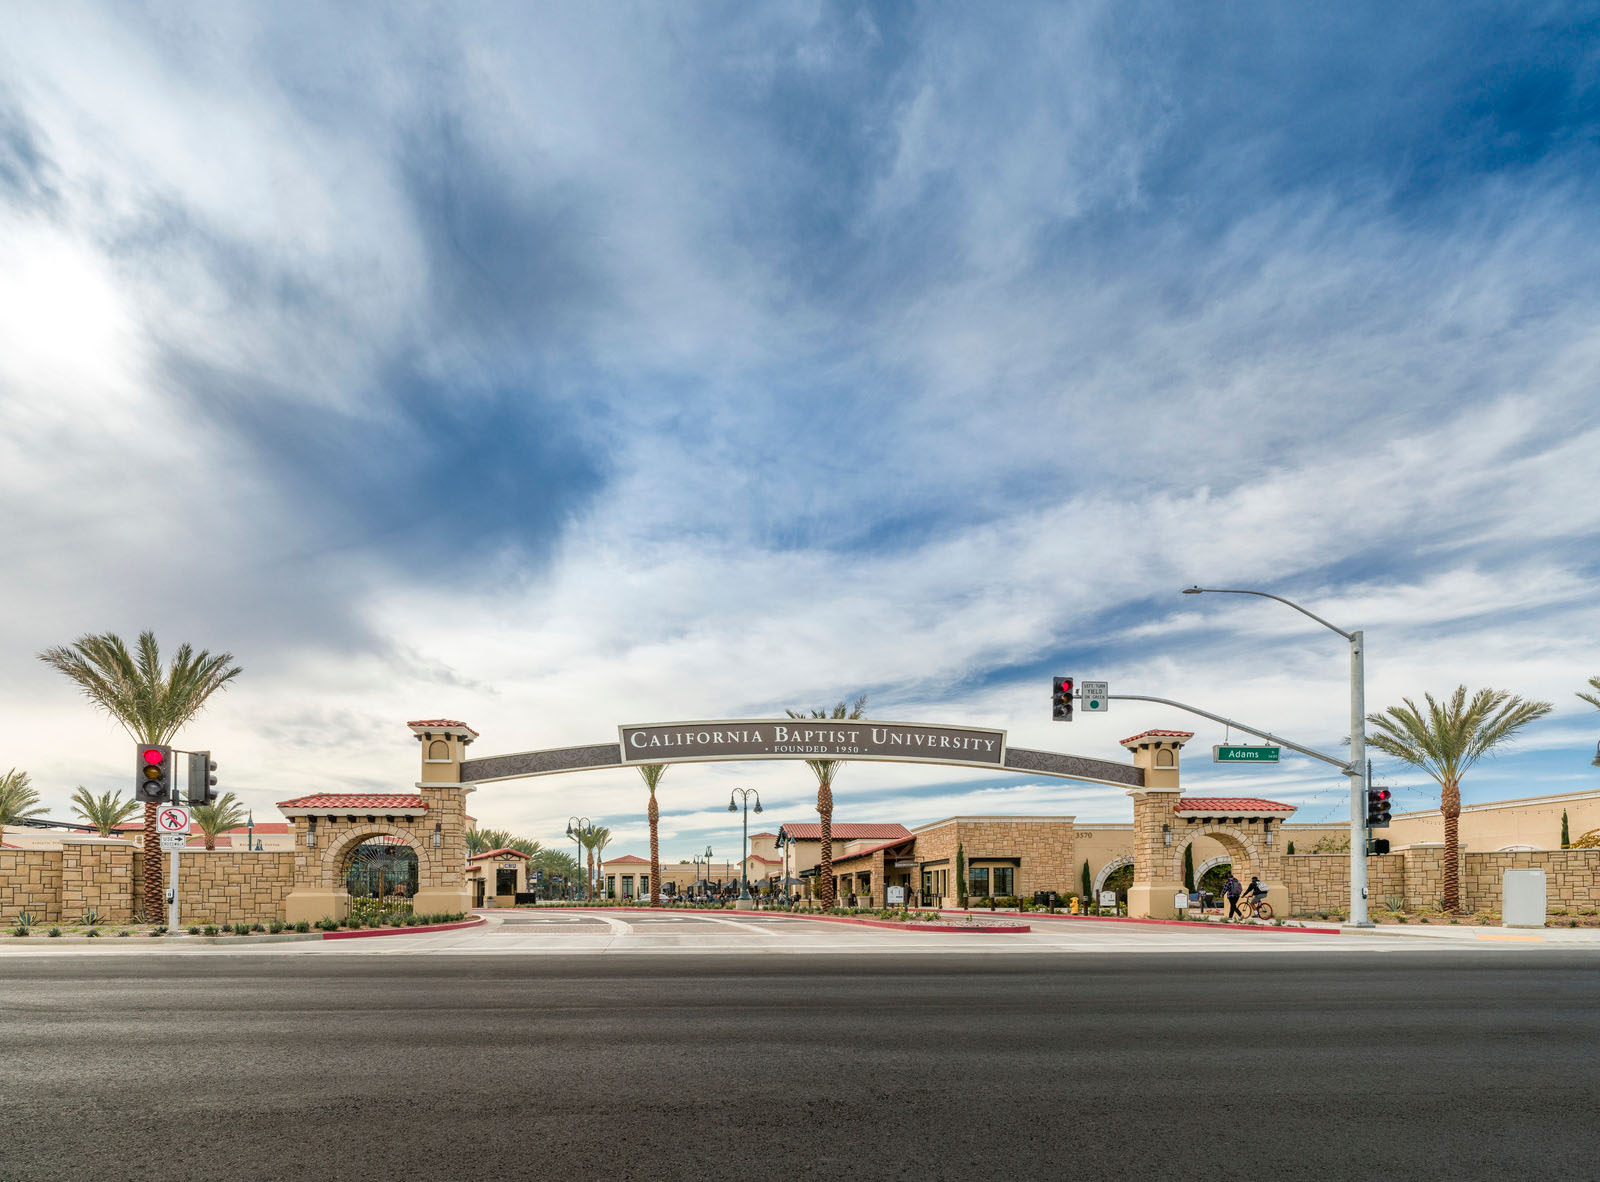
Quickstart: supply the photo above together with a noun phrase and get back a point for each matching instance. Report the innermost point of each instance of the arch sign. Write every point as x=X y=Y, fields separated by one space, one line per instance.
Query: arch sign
x=802 y=738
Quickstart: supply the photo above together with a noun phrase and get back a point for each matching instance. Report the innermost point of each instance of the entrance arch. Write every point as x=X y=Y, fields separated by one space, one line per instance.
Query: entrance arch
x=1109 y=869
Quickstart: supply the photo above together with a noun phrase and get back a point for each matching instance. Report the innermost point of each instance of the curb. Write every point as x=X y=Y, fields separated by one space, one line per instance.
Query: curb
x=1000 y=927
x=479 y=921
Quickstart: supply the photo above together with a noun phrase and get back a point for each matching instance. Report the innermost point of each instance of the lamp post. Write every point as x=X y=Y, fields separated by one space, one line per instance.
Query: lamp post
x=250 y=830
x=743 y=795
x=1358 y=748
x=577 y=828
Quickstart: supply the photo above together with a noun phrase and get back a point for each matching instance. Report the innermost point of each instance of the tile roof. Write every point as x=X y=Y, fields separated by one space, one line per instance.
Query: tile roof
x=753 y=836
x=442 y=722
x=493 y=853
x=628 y=858
x=1157 y=735
x=1230 y=804
x=357 y=802
x=872 y=850
x=812 y=831
x=768 y=861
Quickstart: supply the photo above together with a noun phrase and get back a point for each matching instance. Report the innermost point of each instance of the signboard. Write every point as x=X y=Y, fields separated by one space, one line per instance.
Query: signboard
x=904 y=863
x=1094 y=696
x=1108 y=898
x=1181 y=901
x=1225 y=753
x=812 y=738
x=897 y=894
x=174 y=841
x=172 y=818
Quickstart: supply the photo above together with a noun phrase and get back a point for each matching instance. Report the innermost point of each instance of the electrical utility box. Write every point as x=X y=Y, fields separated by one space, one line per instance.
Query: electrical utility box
x=1523 y=899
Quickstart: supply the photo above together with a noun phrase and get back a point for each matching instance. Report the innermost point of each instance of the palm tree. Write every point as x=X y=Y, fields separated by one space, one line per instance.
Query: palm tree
x=18 y=800
x=1445 y=741
x=477 y=841
x=1594 y=698
x=599 y=838
x=152 y=705
x=652 y=773
x=825 y=770
x=225 y=814
x=590 y=839
x=104 y=812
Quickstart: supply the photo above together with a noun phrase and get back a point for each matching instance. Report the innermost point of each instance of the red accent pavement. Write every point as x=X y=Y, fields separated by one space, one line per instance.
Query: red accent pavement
x=426 y=927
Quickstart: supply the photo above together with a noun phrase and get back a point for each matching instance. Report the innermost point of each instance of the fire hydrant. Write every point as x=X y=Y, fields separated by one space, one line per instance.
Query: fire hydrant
x=1075 y=904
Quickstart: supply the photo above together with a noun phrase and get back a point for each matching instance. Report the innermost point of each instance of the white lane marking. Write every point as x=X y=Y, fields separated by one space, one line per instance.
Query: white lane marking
x=734 y=923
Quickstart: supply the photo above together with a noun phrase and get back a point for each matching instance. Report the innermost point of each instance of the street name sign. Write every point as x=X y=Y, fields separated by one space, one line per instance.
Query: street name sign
x=1224 y=753
x=171 y=818
x=1094 y=696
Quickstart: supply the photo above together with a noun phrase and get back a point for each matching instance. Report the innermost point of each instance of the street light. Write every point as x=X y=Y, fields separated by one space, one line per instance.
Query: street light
x=1358 y=748
x=577 y=829
x=250 y=830
x=744 y=795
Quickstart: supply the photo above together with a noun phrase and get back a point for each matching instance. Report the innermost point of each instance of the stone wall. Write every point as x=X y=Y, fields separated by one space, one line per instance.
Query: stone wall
x=1571 y=877
x=225 y=886
x=1321 y=882
x=30 y=880
x=97 y=875
x=1044 y=849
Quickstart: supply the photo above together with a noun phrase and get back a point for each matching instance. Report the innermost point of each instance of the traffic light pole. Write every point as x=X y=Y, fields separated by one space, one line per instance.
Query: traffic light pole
x=1360 y=781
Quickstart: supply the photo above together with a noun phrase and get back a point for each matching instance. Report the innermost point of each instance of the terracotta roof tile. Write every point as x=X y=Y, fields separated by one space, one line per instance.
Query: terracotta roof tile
x=1230 y=804
x=1158 y=735
x=630 y=858
x=493 y=853
x=357 y=802
x=442 y=722
x=812 y=831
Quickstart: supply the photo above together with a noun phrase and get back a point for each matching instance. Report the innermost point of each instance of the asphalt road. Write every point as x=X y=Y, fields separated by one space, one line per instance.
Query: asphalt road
x=1298 y=1065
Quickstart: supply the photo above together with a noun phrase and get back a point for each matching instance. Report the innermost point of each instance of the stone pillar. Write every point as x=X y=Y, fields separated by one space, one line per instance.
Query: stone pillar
x=442 y=858
x=1155 y=835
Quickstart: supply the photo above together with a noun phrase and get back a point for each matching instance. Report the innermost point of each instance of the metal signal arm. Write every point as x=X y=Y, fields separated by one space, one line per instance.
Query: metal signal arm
x=1343 y=765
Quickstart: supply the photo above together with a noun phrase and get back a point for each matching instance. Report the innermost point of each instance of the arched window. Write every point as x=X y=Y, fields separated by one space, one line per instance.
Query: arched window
x=1165 y=757
x=380 y=868
x=438 y=751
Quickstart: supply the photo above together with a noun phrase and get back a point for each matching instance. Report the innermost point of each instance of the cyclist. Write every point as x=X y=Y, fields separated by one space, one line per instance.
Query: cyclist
x=1254 y=893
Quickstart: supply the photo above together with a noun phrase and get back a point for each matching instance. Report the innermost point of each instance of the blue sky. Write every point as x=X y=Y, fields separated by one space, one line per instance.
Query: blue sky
x=554 y=367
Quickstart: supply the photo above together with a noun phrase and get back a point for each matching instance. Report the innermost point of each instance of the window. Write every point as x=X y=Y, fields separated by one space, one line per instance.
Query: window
x=505 y=880
x=1004 y=883
x=644 y=884
x=611 y=886
x=627 y=886
x=977 y=880
x=438 y=751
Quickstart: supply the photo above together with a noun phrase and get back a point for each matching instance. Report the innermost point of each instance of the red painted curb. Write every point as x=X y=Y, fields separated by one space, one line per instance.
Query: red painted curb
x=1001 y=926
x=1181 y=923
x=425 y=927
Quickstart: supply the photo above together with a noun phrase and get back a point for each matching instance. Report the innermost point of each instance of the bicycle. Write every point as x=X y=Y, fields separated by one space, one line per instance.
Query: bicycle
x=1255 y=909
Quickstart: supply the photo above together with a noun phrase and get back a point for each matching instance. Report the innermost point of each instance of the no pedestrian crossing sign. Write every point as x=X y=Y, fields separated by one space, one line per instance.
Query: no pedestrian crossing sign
x=1225 y=753
x=1094 y=696
x=171 y=818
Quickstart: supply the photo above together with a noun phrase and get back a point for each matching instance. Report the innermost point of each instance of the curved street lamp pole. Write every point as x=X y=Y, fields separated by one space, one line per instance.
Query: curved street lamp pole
x=577 y=828
x=1358 y=748
x=744 y=795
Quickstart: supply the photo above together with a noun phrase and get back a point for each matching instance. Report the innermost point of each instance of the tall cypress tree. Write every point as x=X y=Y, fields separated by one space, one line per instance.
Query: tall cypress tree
x=1188 y=867
x=1566 y=837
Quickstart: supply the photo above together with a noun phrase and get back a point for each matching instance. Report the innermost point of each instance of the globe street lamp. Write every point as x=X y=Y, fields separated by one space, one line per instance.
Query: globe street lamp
x=1358 y=748
x=578 y=828
x=744 y=795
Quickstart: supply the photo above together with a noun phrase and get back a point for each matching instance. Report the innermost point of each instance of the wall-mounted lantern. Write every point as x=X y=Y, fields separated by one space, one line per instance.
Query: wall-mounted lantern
x=438 y=838
x=1166 y=834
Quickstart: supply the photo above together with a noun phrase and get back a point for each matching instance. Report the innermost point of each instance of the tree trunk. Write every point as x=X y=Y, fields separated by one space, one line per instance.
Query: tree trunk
x=655 y=852
x=825 y=867
x=211 y=841
x=1450 y=802
x=152 y=866
x=591 y=890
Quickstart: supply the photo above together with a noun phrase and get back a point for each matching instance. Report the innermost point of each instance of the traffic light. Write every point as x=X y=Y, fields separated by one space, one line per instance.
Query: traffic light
x=1377 y=808
x=202 y=784
x=152 y=773
x=1377 y=845
x=1061 y=699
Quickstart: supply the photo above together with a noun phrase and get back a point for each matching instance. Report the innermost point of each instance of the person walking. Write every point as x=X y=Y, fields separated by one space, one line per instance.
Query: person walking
x=1233 y=889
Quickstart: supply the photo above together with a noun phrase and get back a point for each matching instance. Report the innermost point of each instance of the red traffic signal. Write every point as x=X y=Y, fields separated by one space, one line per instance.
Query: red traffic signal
x=1061 y=699
x=154 y=755
x=152 y=776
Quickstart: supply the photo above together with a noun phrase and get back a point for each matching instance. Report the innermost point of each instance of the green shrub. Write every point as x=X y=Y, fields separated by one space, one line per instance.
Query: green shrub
x=124 y=932
x=95 y=932
x=194 y=931
x=228 y=927
x=20 y=930
x=157 y=932
x=241 y=929
x=275 y=926
x=256 y=927
x=27 y=919
x=302 y=926
x=54 y=932
x=90 y=918
x=210 y=929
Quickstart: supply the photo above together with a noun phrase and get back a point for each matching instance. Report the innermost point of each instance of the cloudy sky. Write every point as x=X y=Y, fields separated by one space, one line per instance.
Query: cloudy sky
x=559 y=366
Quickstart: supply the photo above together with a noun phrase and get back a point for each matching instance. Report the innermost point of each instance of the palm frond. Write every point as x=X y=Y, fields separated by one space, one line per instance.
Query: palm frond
x=151 y=705
x=1594 y=698
x=104 y=812
x=226 y=813
x=18 y=799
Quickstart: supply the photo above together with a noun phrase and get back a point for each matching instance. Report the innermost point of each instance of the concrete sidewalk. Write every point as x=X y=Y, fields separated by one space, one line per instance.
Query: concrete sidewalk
x=1581 y=937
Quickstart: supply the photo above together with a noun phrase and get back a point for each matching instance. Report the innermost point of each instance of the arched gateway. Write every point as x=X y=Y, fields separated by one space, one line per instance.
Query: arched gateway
x=329 y=827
